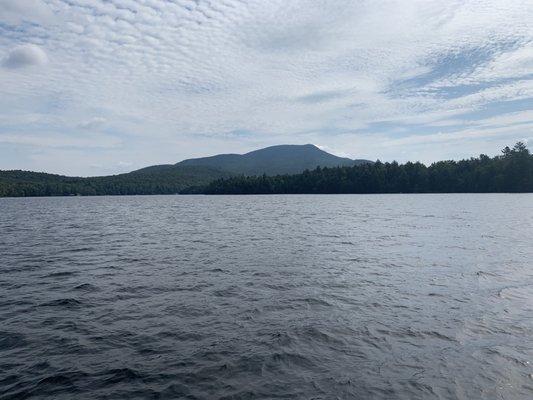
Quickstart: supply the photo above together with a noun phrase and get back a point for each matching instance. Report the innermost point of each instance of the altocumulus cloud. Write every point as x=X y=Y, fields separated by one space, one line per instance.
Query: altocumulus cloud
x=17 y=11
x=24 y=56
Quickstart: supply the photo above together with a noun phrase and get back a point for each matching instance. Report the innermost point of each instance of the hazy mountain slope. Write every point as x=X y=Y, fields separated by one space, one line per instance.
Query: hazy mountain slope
x=275 y=160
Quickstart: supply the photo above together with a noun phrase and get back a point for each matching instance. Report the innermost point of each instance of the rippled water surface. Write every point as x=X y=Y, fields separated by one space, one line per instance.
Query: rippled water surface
x=294 y=297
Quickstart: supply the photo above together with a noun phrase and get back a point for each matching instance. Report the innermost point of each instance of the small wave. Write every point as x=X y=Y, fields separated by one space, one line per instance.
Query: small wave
x=181 y=336
x=67 y=303
x=121 y=375
x=80 y=249
x=51 y=385
x=194 y=288
x=231 y=291
x=280 y=287
x=485 y=274
x=11 y=340
x=218 y=270
x=87 y=287
x=311 y=301
x=175 y=391
x=292 y=359
x=438 y=335
x=524 y=292
x=280 y=338
x=412 y=333
x=187 y=310
x=55 y=380
x=60 y=274
x=132 y=289
x=261 y=274
x=320 y=335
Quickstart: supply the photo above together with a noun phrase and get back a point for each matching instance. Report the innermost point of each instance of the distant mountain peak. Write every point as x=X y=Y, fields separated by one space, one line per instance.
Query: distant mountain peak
x=273 y=160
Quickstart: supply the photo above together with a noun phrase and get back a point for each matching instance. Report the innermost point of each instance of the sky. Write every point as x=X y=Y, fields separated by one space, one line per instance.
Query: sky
x=95 y=87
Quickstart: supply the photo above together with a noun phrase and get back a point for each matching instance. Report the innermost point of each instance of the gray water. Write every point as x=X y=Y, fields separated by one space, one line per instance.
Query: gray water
x=267 y=297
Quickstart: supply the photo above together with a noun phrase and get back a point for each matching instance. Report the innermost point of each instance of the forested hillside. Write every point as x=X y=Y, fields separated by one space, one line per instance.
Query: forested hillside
x=173 y=178
x=512 y=171
x=153 y=180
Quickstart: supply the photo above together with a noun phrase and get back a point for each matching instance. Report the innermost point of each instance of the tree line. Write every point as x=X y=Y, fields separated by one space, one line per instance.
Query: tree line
x=512 y=171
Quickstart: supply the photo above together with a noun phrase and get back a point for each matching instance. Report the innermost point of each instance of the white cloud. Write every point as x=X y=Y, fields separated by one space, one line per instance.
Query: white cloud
x=24 y=56
x=93 y=123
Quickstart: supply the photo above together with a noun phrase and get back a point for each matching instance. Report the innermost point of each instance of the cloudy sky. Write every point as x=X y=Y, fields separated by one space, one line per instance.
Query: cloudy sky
x=91 y=87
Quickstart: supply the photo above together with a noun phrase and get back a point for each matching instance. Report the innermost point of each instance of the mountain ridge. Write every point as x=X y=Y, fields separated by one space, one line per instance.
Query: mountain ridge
x=274 y=160
x=173 y=178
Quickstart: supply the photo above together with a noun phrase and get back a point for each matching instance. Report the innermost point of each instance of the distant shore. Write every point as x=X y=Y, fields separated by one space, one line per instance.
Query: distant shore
x=510 y=172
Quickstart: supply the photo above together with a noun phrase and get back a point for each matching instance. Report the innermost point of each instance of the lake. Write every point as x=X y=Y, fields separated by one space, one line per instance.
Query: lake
x=267 y=297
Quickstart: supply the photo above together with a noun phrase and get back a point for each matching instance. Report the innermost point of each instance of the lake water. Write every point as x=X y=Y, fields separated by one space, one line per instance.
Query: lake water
x=267 y=297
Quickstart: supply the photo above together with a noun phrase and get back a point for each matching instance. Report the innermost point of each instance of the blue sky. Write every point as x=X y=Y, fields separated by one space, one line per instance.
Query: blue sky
x=92 y=87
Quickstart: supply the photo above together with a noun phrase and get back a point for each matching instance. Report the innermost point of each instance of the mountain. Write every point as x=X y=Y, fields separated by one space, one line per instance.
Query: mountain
x=174 y=178
x=274 y=160
x=512 y=171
